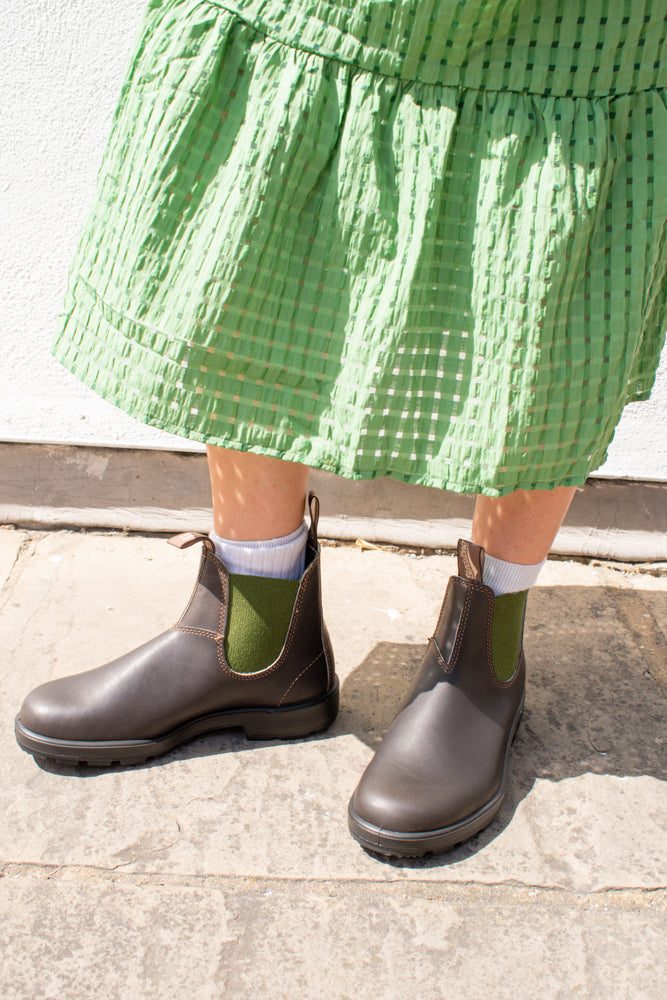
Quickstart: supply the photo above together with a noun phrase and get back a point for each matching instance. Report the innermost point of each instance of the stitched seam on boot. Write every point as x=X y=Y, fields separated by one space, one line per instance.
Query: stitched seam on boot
x=224 y=603
x=443 y=605
x=482 y=588
x=191 y=630
x=218 y=639
x=439 y=657
x=194 y=590
x=461 y=627
x=515 y=676
x=448 y=666
x=471 y=585
x=299 y=676
x=295 y=615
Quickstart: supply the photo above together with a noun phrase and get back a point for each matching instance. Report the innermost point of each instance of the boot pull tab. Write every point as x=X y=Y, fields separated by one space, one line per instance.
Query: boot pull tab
x=314 y=510
x=188 y=538
x=471 y=560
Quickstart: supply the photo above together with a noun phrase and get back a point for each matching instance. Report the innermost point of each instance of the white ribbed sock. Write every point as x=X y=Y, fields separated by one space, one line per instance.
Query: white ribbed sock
x=507 y=577
x=282 y=558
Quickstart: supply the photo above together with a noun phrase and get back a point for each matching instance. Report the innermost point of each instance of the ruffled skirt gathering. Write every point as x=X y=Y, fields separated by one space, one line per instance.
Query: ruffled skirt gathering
x=303 y=251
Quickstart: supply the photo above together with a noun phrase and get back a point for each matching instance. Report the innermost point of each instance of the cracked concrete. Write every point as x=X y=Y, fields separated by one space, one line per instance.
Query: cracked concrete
x=12 y=544
x=227 y=865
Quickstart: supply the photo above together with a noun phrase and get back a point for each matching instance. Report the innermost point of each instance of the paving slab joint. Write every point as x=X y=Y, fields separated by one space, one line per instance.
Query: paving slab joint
x=649 y=895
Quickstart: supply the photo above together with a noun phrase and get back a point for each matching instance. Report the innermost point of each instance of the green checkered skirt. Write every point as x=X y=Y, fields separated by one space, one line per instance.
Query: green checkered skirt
x=416 y=238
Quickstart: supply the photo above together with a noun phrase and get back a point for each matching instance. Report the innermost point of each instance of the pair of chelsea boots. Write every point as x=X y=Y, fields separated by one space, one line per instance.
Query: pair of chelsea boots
x=440 y=773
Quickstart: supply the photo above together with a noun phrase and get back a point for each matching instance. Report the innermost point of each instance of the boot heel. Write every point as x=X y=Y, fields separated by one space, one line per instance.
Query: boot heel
x=294 y=720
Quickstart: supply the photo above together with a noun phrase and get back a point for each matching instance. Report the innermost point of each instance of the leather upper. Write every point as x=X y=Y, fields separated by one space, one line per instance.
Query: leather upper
x=443 y=756
x=183 y=673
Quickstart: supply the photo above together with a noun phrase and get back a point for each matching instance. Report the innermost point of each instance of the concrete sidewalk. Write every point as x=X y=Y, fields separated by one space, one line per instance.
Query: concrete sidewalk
x=225 y=869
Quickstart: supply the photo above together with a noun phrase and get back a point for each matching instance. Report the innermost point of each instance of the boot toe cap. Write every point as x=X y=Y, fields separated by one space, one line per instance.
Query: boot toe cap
x=45 y=712
x=412 y=806
x=419 y=799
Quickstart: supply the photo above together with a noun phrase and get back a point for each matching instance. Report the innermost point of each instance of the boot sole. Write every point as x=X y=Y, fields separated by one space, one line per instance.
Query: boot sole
x=398 y=844
x=290 y=722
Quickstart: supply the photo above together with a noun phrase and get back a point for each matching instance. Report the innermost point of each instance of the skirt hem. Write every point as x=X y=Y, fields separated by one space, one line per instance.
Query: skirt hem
x=181 y=429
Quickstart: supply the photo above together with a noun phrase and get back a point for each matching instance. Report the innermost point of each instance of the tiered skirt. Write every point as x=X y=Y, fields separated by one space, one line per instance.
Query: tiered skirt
x=413 y=239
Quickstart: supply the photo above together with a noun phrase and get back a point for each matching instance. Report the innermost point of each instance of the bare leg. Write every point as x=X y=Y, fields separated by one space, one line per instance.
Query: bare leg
x=255 y=497
x=521 y=526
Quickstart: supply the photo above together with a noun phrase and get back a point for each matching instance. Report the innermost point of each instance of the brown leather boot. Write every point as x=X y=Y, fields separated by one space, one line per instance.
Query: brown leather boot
x=439 y=776
x=179 y=685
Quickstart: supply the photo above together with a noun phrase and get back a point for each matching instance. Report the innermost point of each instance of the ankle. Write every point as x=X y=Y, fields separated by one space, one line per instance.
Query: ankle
x=279 y=558
x=508 y=577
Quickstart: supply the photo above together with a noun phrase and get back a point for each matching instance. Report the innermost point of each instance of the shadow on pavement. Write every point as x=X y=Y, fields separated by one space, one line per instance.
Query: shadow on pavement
x=592 y=703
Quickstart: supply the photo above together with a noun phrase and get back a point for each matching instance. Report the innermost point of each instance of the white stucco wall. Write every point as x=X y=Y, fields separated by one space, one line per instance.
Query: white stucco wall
x=63 y=63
